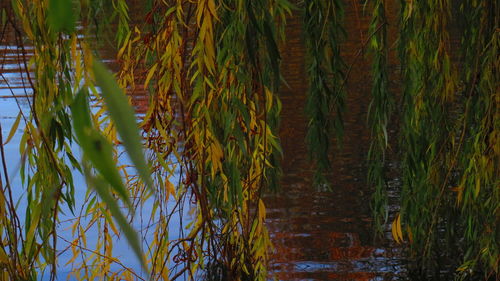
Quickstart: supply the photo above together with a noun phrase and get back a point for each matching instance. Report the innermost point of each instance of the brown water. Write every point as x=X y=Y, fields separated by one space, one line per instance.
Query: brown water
x=316 y=235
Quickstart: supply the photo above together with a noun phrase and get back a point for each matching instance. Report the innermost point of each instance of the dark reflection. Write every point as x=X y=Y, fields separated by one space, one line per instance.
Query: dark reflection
x=13 y=79
x=328 y=235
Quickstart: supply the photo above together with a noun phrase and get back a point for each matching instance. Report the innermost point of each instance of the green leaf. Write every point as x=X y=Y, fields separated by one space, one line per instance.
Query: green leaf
x=61 y=16
x=102 y=188
x=124 y=119
x=274 y=54
x=3 y=17
x=81 y=113
x=95 y=146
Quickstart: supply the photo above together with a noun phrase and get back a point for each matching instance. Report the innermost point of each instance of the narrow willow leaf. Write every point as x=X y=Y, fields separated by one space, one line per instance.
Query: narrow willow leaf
x=170 y=189
x=61 y=16
x=95 y=146
x=102 y=188
x=394 y=232
x=3 y=17
x=397 y=234
x=398 y=228
x=90 y=205
x=13 y=129
x=124 y=118
x=274 y=53
x=34 y=220
x=150 y=75
x=262 y=210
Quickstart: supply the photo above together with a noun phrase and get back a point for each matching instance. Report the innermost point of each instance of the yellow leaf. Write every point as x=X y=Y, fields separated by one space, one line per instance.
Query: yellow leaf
x=113 y=228
x=400 y=232
x=459 y=190
x=262 y=210
x=82 y=236
x=125 y=45
x=13 y=129
x=397 y=234
x=169 y=188
x=4 y=259
x=269 y=99
x=150 y=74
x=199 y=12
x=75 y=253
x=393 y=231
x=478 y=187
x=211 y=7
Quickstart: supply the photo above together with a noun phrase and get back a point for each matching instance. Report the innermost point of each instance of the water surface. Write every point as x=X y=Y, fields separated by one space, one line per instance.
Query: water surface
x=317 y=235
x=329 y=235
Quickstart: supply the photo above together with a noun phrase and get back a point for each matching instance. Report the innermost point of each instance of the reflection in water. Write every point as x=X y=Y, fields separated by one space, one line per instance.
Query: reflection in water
x=316 y=235
x=328 y=235
x=13 y=81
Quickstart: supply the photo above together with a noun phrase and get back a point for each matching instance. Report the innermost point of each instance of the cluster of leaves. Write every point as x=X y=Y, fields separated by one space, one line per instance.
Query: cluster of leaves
x=449 y=125
x=62 y=66
x=212 y=72
x=478 y=150
x=428 y=92
x=211 y=68
x=379 y=112
x=323 y=35
x=449 y=138
x=45 y=146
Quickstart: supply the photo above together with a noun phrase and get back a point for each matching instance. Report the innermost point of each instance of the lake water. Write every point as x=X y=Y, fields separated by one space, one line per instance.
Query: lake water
x=317 y=235
x=329 y=235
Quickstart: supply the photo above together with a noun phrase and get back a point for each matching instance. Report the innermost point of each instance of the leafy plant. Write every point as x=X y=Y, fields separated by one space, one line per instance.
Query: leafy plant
x=192 y=207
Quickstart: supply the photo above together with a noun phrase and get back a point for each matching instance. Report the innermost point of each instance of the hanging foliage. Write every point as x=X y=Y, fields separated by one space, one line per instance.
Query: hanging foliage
x=324 y=33
x=477 y=152
x=430 y=86
x=45 y=144
x=379 y=112
x=447 y=133
x=211 y=71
